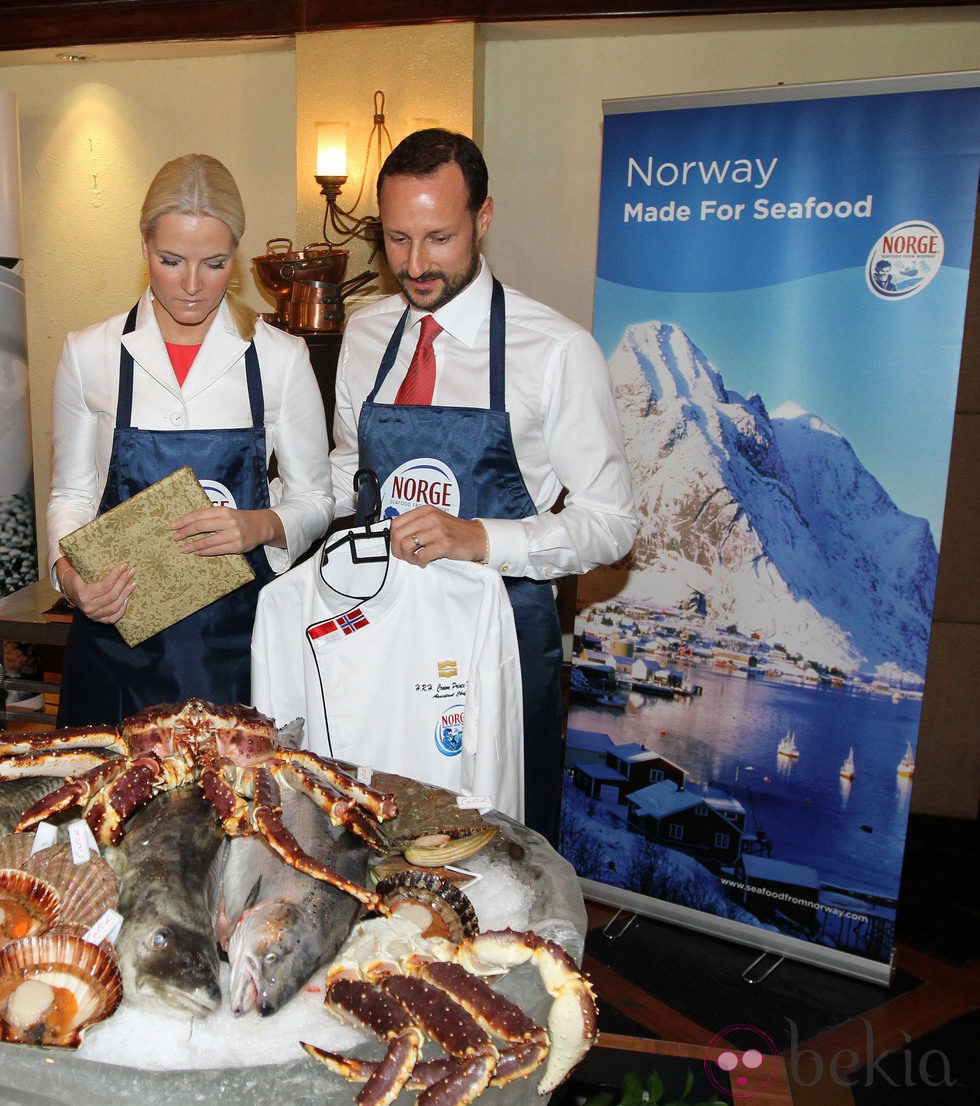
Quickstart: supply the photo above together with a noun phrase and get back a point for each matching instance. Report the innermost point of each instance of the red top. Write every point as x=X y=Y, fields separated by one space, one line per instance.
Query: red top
x=181 y=357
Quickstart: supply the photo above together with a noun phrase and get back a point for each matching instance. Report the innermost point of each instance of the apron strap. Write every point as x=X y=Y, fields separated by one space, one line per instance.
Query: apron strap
x=498 y=338
x=124 y=402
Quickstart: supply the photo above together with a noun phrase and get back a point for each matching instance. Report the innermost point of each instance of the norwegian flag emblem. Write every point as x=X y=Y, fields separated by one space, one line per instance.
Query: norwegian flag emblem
x=348 y=623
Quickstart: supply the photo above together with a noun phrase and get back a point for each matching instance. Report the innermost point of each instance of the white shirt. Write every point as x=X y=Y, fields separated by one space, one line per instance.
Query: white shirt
x=387 y=663
x=563 y=415
x=214 y=396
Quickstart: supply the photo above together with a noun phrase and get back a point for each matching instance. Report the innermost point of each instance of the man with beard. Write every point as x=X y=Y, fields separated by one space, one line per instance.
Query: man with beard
x=479 y=409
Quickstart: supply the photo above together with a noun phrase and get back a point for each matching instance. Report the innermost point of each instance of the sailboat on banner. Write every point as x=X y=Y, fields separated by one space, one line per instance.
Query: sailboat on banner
x=847 y=768
x=788 y=747
x=906 y=766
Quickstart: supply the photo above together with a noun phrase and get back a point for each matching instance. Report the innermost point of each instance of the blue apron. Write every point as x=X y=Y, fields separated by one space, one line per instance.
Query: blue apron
x=206 y=654
x=470 y=452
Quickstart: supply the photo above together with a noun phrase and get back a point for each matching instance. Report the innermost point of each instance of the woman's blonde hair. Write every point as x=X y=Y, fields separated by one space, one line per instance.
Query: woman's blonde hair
x=198 y=184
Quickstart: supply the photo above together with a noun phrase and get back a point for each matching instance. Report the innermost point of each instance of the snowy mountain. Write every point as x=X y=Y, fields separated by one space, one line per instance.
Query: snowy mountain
x=771 y=518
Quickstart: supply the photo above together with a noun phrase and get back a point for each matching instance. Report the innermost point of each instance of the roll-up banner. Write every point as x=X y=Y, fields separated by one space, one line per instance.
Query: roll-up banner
x=781 y=288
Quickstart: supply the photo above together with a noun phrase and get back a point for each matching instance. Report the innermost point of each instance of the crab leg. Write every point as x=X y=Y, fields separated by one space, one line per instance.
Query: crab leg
x=109 y=807
x=62 y=762
x=379 y=803
x=439 y=1017
x=76 y=737
x=266 y=818
x=572 y=1024
x=76 y=790
x=338 y=807
x=353 y=999
x=496 y=1014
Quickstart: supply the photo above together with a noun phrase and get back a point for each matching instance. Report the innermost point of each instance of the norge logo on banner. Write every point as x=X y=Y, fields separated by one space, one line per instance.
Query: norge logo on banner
x=781 y=288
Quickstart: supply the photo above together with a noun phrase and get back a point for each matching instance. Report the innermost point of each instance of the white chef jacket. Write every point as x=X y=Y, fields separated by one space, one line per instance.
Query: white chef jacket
x=214 y=396
x=405 y=670
x=563 y=416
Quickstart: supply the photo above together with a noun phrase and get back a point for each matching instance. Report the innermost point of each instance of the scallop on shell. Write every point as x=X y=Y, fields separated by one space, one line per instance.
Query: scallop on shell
x=15 y=848
x=54 y=986
x=28 y=905
x=450 y=911
x=86 y=890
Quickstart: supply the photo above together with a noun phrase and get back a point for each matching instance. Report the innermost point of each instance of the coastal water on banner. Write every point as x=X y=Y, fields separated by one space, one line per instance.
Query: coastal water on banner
x=851 y=831
x=781 y=287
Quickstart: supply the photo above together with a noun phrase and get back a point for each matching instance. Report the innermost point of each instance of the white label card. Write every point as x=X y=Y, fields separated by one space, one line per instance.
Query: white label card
x=365 y=773
x=474 y=877
x=45 y=836
x=82 y=841
x=482 y=803
x=105 y=929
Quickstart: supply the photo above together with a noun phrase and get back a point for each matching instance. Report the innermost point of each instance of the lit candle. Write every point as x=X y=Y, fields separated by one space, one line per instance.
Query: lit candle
x=331 y=149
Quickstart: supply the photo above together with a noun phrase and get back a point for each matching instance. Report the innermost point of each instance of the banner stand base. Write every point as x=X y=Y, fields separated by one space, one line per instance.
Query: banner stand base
x=612 y=935
x=762 y=967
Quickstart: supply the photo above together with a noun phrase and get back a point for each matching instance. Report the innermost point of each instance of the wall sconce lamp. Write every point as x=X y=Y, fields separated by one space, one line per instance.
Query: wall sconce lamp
x=331 y=175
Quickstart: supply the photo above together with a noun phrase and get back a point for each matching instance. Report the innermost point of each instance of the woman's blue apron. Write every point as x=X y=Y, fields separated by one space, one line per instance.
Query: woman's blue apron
x=470 y=451
x=206 y=654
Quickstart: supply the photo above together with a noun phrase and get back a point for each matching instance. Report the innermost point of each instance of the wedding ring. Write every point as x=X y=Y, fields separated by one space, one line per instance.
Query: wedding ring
x=418 y=544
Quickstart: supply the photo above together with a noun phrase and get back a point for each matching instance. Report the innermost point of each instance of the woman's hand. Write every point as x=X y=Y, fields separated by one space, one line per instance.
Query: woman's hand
x=227 y=530
x=104 y=600
x=426 y=534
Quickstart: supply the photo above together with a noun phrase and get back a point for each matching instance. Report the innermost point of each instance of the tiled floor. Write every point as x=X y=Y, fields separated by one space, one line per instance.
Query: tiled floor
x=844 y=1041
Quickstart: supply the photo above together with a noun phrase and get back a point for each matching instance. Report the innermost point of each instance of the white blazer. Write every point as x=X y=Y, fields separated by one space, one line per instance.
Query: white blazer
x=214 y=396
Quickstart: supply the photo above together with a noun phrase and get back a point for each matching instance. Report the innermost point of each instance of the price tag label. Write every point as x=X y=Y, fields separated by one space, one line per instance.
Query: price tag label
x=105 y=929
x=45 y=836
x=474 y=877
x=365 y=773
x=81 y=840
x=482 y=803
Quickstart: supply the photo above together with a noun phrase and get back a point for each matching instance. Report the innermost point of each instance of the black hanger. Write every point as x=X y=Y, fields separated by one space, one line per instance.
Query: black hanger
x=364 y=543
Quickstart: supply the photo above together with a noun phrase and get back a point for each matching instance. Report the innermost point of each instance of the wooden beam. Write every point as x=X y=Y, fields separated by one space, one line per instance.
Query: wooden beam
x=62 y=23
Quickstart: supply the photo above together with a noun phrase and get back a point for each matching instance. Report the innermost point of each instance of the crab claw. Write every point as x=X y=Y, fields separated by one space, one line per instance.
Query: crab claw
x=572 y=1021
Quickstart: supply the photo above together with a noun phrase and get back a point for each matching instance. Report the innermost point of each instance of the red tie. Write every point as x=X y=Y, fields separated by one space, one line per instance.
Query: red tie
x=420 y=381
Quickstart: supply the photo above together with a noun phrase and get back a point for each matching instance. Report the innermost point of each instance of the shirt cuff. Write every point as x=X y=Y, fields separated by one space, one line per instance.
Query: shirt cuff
x=507 y=546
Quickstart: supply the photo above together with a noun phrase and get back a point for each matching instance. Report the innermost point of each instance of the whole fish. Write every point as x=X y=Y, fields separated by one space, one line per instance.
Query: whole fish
x=17 y=795
x=277 y=924
x=166 y=947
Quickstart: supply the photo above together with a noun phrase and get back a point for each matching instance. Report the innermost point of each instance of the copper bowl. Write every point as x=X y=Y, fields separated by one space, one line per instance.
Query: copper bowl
x=277 y=271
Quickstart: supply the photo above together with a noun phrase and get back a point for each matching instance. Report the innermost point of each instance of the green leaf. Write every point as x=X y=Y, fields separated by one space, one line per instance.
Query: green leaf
x=688 y=1083
x=603 y=1098
x=655 y=1087
x=633 y=1090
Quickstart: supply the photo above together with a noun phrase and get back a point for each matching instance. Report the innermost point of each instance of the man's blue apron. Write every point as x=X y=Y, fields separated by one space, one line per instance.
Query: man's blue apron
x=208 y=653
x=470 y=451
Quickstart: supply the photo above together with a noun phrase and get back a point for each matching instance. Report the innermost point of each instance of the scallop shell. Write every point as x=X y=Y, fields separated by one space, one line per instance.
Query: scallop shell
x=83 y=976
x=86 y=890
x=27 y=893
x=452 y=912
x=15 y=848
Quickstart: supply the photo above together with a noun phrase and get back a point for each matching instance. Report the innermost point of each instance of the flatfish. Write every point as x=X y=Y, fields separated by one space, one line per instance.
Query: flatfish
x=277 y=924
x=167 y=952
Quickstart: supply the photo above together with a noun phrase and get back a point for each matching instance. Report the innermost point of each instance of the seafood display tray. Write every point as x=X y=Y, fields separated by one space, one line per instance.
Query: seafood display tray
x=53 y=1077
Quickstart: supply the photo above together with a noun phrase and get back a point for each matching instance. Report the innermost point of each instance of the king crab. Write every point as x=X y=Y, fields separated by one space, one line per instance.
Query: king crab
x=230 y=751
x=403 y=987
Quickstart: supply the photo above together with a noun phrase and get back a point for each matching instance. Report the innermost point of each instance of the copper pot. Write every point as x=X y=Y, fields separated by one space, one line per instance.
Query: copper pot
x=277 y=271
x=318 y=305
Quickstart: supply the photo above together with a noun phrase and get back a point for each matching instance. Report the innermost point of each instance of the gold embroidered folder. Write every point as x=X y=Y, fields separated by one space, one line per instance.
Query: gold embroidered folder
x=170 y=585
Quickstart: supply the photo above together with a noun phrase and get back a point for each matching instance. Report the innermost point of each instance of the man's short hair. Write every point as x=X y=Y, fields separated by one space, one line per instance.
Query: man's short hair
x=423 y=152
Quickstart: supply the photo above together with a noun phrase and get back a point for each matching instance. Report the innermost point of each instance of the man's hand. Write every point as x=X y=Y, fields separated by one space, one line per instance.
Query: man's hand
x=427 y=534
